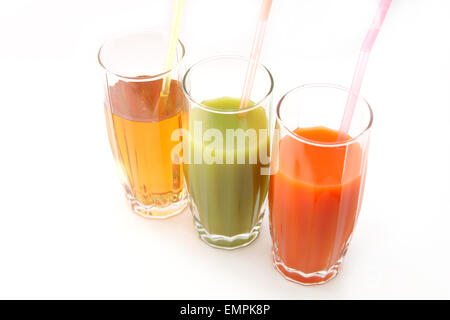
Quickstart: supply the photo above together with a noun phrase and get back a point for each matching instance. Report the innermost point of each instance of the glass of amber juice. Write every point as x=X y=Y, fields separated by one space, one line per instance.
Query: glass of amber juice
x=317 y=181
x=142 y=124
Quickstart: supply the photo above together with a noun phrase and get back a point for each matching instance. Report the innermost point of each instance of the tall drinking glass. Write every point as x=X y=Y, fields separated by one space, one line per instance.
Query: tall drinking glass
x=317 y=182
x=139 y=127
x=227 y=150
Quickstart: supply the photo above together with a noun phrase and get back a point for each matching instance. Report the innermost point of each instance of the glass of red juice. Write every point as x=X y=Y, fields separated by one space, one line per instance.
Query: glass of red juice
x=317 y=181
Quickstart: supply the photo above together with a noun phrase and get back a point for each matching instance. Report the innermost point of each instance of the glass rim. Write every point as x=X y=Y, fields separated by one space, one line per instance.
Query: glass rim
x=142 y=77
x=314 y=142
x=230 y=111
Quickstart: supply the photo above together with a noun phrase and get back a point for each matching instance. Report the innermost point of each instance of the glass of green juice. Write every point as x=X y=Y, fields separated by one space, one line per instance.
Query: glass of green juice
x=226 y=149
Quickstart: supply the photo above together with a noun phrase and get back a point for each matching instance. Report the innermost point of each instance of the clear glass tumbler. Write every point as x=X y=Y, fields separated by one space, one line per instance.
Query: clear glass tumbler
x=141 y=125
x=317 y=181
x=227 y=150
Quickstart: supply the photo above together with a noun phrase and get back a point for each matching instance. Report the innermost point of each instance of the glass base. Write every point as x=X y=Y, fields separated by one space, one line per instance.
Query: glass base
x=157 y=212
x=306 y=279
x=228 y=243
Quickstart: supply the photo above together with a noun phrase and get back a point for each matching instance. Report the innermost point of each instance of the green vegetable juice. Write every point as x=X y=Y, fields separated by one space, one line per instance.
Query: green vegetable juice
x=224 y=180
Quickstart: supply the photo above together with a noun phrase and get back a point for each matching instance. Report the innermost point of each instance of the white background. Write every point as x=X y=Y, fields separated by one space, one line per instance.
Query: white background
x=65 y=227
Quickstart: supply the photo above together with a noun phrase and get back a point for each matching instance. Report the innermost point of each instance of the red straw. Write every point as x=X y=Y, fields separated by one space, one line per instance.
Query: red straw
x=256 y=52
x=361 y=67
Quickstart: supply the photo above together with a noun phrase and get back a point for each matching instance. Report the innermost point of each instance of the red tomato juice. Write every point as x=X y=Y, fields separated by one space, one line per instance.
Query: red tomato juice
x=314 y=202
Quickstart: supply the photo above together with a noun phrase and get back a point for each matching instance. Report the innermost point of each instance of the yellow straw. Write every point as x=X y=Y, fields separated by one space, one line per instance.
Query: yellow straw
x=161 y=105
x=172 y=49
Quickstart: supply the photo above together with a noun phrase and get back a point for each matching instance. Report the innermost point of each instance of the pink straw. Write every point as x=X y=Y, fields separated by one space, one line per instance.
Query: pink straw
x=361 y=66
x=255 y=53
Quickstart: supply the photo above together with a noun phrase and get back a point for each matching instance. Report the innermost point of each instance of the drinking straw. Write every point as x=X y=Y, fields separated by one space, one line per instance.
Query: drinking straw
x=255 y=53
x=171 y=53
x=361 y=66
